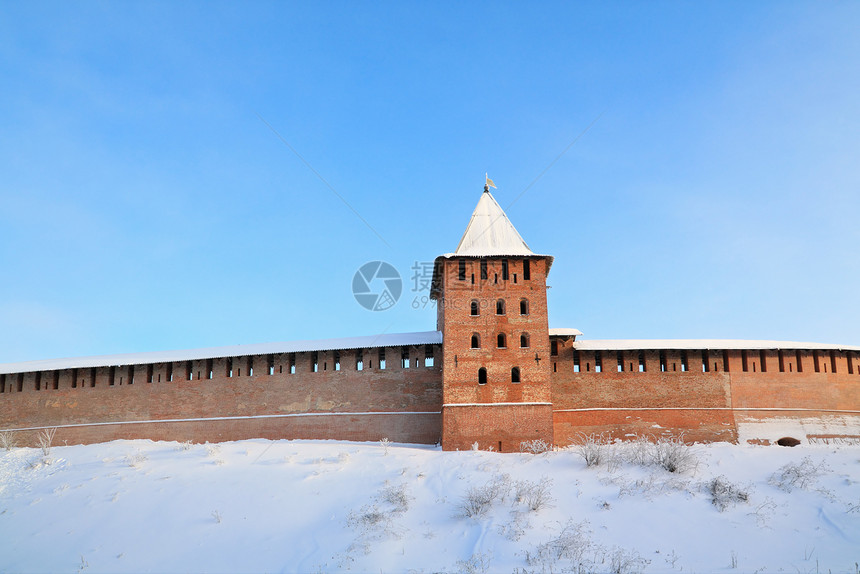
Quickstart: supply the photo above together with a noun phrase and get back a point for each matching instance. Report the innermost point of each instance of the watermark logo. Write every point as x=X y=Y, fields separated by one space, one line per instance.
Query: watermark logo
x=377 y=286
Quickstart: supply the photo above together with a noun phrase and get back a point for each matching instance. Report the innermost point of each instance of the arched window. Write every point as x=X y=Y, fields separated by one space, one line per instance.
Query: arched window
x=524 y=306
x=515 y=375
x=501 y=341
x=474 y=308
x=476 y=341
x=524 y=340
x=500 y=307
x=482 y=376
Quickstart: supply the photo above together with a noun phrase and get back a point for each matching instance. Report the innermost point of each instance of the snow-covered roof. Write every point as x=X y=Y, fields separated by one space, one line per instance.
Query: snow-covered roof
x=491 y=234
x=564 y=332
x=371 y=341
x=633 y=344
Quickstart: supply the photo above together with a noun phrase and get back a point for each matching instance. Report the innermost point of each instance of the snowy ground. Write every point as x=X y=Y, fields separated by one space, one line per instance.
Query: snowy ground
x=322 y=506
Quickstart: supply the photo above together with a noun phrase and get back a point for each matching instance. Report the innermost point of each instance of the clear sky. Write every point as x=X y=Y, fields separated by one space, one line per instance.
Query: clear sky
x=146 y=203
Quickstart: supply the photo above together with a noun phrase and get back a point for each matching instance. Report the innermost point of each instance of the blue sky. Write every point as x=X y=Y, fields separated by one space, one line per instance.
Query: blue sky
x=145 y=204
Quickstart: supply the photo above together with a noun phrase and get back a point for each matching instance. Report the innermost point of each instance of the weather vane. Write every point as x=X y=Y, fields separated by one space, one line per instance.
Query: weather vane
x=488 y=183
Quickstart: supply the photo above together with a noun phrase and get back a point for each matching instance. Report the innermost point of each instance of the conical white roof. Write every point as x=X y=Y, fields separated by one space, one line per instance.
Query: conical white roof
x=490 y=232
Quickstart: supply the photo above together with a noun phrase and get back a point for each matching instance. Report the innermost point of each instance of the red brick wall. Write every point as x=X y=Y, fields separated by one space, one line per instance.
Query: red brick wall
x=398 y=427
x=416 y=389
x=695 y=425
x=700 y=404
x=500 y=427
x=462 y=362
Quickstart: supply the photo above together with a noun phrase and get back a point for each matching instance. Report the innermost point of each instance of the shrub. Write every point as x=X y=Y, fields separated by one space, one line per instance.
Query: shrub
x=479 y=499
x=591 y=448
x=8 y=439
x=368 y=517
x=396 y=496
x=476 y=564
x=638 y=451
x=623 y=561
x=136 y=460
x=46 y=438
x=674 y=455
x=535 y=495
x=537 y=446
x=801 y=475
x=573 y=544
x=725 y=494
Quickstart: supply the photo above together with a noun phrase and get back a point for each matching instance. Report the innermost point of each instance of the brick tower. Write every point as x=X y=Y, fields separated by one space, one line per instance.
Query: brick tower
x=491 y=309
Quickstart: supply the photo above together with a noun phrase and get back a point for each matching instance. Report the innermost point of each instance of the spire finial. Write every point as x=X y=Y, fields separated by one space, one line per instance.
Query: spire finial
x=488 y=183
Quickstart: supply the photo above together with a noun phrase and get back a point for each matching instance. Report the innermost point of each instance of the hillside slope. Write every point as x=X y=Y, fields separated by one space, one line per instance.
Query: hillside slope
x=319 y=506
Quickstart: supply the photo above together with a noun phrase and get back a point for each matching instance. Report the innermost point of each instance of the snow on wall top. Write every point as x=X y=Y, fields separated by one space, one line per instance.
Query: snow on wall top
x=371 y=341
x=563 y=332
x=635 y=344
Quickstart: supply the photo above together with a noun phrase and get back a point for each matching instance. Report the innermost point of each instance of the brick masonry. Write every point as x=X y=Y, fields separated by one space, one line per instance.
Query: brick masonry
x=706 y=394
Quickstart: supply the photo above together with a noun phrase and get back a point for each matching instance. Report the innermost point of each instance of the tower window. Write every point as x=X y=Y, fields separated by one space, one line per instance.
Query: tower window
x=474 y=309
x=524 y=307
x=500 y=307
x=337 y=360
x=404 y=358
x=315 y=362
x=428 y=356
x=553 y=348
x=483 y=269
x=382 y=358
x=515 y=375
x=476 y=341
x=482 y=376
x=461 y=275
x=524 y=341
x=500 y=340
x=359 y=360
x=527 y=271
x=504 y=269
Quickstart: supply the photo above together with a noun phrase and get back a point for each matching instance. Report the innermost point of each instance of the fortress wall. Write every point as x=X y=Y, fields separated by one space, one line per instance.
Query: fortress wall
x=696 y=425
x=831 y=387
x=702 y=393
x=421 y=428
x=184 y=390
x=500 y=427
